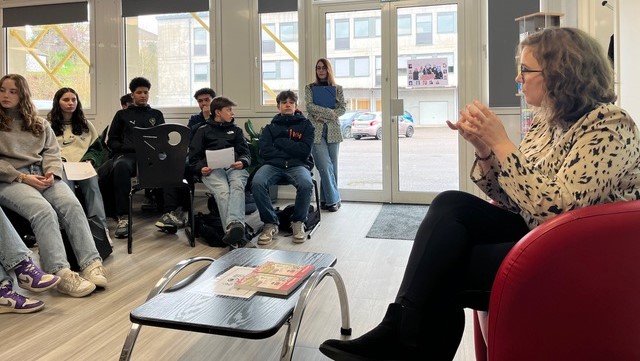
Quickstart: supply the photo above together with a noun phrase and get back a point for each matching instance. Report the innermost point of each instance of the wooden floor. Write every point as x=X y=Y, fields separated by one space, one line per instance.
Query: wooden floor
x=95 y=327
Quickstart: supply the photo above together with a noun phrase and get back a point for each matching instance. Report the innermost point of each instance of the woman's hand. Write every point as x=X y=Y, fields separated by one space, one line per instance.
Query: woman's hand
x=482 y=150
x=482 y=124
x=38 y=182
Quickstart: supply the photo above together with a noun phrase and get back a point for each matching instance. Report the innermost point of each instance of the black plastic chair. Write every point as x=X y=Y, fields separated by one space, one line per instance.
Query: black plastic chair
x=161 y=154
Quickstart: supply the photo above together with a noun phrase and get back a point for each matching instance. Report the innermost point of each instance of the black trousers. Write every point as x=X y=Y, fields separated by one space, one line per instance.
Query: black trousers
x=455 y=256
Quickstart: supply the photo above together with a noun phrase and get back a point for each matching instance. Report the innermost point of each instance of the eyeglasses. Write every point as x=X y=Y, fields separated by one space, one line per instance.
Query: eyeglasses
x=321 y=68
x=524 y=70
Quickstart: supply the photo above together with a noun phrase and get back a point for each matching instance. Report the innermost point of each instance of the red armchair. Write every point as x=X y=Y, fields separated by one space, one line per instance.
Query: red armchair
x=568 y=290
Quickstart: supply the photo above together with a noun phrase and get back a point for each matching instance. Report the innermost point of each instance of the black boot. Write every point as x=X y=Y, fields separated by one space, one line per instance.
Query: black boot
x=395 y=338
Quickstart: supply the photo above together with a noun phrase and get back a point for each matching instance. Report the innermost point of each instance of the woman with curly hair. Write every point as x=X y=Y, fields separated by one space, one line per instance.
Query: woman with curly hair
x=31 y=185
x=582 y=150
x=79 y=142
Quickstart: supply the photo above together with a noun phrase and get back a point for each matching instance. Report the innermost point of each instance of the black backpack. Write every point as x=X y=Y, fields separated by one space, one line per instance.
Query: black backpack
x=284 y=218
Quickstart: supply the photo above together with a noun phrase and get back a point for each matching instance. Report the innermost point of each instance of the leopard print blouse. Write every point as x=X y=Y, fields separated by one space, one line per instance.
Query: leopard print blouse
x=595 y=160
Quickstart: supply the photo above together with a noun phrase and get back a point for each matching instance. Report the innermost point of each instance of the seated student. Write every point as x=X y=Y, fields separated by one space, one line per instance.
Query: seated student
x=227 y=184
x=204 y=97
x=285 y=146
x=120 y=141
x=79 y=141
x=14 y=255
x=126 y=100
x=30 y=185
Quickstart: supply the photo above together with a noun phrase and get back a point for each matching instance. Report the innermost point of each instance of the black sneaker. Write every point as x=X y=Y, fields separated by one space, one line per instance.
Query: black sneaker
x=234 y=233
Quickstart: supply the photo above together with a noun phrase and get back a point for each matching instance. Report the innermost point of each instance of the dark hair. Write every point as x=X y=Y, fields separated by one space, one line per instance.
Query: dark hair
x=126 y=99
x=203 y=91
x=327 y=64
x=221 y=102
x=139 y=82
x=286 y=94
x=578 y=76
x=26 y=108
x=56 y=117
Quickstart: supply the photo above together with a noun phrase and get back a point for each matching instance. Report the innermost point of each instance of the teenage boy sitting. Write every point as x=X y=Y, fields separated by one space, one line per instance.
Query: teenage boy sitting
x=203 y=96
x=227 y=184
x=285 y=146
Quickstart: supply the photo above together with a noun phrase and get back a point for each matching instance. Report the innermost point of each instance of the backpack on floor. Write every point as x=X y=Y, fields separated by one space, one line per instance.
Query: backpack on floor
x=209 y=227
x=284 y=218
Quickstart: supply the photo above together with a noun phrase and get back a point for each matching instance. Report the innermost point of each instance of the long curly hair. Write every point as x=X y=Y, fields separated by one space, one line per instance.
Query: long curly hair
x=330 y=79
x=56 y=115
x=25 y=107
x=577 y=73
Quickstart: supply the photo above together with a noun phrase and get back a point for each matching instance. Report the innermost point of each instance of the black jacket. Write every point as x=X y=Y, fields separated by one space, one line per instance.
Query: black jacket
x=120 y=139
x=287 y=141
x=213 y=136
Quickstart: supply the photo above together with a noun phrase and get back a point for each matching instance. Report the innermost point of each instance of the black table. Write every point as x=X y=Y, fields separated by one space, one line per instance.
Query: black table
x=191 y=305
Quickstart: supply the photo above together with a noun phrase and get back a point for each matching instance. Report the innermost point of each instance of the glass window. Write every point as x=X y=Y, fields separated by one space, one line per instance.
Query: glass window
x=158 y=47
x=51 y=55
x=201 y=72
x=366 y=27
x=286 y=69
x=327 y=31
x=404 y=24
x=424 y=29
x=379 y=71
x=269 y=70
x=200 y=41
x=279 y=59
x=342 y=67
x=289 y=31
x=342 y=34
x=446 y=23
x=361 y=66
x=268 y=44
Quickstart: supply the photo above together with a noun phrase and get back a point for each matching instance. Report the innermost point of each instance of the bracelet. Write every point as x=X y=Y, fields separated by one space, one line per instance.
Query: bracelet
x=485 y=158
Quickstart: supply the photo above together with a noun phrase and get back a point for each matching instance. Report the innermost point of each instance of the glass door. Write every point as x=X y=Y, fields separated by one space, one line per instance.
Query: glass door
x=397 y=147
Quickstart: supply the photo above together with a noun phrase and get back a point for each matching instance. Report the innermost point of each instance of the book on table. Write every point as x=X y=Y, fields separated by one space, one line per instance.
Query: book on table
x=276 y=277
x=324 y=96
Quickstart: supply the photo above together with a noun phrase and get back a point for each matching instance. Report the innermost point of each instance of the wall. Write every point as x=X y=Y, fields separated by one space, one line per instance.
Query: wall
x=627 y=55
x=503 y=39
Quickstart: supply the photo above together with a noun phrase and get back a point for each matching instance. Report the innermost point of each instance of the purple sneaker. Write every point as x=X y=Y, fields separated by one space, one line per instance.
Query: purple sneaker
x=12 y=302
x=32 y=278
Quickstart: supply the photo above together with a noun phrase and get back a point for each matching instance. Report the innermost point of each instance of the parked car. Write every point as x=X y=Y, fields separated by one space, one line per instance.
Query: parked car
x=369 y=124
x=407 y=116
x=345 y=122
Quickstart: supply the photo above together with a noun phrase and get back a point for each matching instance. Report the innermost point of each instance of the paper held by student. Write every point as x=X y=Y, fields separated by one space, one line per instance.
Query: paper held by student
x=221 y=158
x=76 y=171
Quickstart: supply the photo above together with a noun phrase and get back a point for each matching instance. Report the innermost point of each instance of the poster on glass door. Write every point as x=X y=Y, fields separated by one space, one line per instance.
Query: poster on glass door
x=427 y=73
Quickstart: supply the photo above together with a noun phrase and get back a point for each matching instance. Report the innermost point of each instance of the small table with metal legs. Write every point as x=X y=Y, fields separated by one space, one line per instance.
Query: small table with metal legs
x=191 y=305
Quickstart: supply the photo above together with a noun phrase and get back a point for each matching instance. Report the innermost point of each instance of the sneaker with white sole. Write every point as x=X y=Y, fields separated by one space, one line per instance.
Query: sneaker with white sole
x=299 y=234
x=269 y=232
x=73 y=285
x=174 y=218
x=95 y=274
x=234 y=233
x=13 y=302
x=122 y=229
x=32 y=278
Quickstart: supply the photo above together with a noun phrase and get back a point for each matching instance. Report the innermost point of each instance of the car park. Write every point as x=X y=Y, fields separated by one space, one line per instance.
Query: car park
x=345 y=122
x=369 y=124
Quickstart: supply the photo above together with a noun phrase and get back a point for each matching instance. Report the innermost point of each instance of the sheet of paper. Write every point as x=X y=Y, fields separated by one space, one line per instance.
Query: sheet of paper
x=78 y=170
x=225 y=283
x=221 y=158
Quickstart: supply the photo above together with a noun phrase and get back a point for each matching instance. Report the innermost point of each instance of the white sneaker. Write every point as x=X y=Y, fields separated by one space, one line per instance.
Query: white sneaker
x=73 y=285
x=95 y=274
x=268 y=234
x=299 y=234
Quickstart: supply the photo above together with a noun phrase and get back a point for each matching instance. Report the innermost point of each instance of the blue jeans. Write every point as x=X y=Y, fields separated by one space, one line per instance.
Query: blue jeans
x=227 y=187
x=92 y=198
x=56 y=206
x=268 y=175
x=12 y=249
x=325 y=156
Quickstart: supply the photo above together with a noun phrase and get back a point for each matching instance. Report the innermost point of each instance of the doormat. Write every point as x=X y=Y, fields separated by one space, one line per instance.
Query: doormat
x=398 y=221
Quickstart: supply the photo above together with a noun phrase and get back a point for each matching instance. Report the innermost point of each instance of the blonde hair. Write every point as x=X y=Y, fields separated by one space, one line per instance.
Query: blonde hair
x=26 y=108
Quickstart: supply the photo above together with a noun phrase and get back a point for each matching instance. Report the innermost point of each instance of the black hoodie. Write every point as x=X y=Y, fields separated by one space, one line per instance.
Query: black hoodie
x=287 y=142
